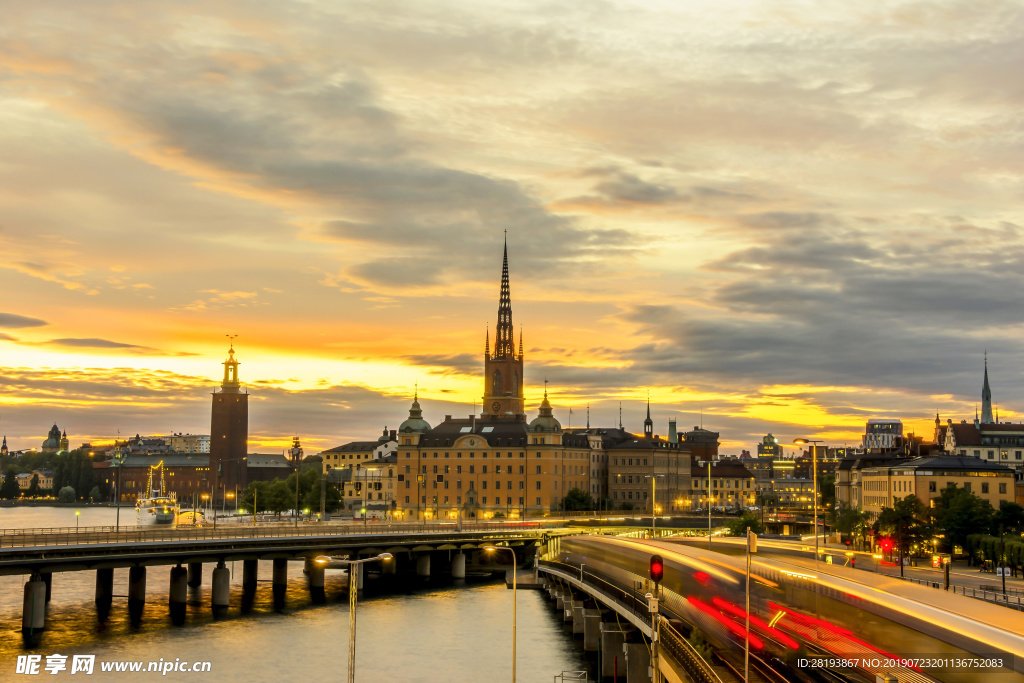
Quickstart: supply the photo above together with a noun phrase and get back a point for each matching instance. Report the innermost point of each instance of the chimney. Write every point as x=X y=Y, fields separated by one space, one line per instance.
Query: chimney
x=673 y=436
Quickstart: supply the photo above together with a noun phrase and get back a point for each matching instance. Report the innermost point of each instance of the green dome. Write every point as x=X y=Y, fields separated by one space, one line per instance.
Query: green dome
x=415 y=423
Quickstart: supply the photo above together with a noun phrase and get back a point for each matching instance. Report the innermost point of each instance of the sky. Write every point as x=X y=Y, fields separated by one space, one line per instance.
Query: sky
x=777 y=216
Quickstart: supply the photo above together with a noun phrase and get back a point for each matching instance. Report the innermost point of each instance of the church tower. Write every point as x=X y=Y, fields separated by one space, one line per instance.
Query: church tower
x=986 y=398
x=3 y=449
x=503 y=371
x=229 y=432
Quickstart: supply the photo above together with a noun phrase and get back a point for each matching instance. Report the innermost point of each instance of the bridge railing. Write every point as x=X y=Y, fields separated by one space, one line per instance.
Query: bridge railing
x=684 y=653
x=14 y=538
x=633 y=599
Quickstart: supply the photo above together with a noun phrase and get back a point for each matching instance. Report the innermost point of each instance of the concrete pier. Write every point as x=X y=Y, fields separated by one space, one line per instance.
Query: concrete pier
x=560 y=598
x=280 y=582
x=136 y=593
x=613 y=658
x=195 y=574
x=315 y=581
x=577 y=618
x=250 y=574
x=459 y=566
x=221 y=592
x=178 y=598
x=591 y=630
x=423 y=565
x=638 y=662
x=33 y=616
x=104 y=593
x=48 y=580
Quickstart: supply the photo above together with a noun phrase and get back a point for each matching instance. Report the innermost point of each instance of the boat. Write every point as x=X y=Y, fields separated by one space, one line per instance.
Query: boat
x=157 y=507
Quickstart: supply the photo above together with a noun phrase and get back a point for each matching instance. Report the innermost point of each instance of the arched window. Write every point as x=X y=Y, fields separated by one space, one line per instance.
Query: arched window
x=496 y=385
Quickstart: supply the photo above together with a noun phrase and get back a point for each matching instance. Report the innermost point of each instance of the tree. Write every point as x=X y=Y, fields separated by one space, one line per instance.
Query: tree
x=1009 y=517
x=904 y=523
x=738 y=526
x=10 y=489
x=850 y=521
x=66 y=495
x=94 y=494
x=578 y=500
x=959 y=513
x=33 y=486
x=827 y=490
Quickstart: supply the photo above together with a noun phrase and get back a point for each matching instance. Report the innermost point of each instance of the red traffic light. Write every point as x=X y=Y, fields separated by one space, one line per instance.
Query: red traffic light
x=657 y=568
x=886 y=544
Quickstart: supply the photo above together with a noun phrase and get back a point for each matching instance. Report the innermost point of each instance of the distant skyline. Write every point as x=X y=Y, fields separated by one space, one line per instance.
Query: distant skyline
x=792 y=220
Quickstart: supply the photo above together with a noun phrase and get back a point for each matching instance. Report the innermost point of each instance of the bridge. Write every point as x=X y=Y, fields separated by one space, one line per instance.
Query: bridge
x=803 y=614
x=417 y=549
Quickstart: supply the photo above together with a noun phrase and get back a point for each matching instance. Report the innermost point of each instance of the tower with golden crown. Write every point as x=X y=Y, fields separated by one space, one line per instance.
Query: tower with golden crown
x=503 y=370
x=229 y=432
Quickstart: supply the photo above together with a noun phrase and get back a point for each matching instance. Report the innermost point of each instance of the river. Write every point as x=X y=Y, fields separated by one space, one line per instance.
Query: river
x=438 y=632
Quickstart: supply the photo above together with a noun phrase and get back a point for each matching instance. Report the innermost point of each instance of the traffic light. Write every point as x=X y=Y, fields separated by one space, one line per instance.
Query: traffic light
x=657 y=568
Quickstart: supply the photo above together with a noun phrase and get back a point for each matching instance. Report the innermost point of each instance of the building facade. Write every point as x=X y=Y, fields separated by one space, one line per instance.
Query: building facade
x=724 y=485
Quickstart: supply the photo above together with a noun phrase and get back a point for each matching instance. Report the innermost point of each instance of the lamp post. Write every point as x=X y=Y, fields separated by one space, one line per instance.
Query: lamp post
x=709 y=505
x=77 y=513
x=814 y=495
x=494 y=549
x=118 y=462
x=353 y=590
x=654 y=502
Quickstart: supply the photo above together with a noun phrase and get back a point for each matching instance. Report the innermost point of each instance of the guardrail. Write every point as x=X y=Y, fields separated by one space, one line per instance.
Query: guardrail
x=985 y=593
x=684 y=653
x=21 y=538
x=631 y=599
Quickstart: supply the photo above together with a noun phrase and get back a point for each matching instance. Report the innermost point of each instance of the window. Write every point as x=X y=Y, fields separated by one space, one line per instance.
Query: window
x=522 y=484
x=407 y=469
x=538 y=486
x=991 y=454
x=483 y=469
x=471 y=469
x=484 y=485
x=1002 y=488
x=497 y=469
x=435 y=469
x=407 y=484
x=458 y=485
x=407 y=502
x=538 y=500
x=458 y=499
x=967 y=486
x=484 y=500
x=984 y=488
x=522 y=469
x=458 y=469
x=446 y=470
x=538 y=469
x=977 y=454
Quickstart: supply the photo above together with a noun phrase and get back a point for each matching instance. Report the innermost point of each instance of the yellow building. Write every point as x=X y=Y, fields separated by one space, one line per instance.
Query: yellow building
x=731 y=486
x=494 y=464
x=926 y=477
x=633 y=461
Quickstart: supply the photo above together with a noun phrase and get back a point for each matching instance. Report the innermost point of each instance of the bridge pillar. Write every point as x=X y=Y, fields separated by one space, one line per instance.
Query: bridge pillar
x=577 y=618
x=178 y=595
x=221 y=593
x=591 y=630
x=33 y=616
x=250 y=574
x=136 y=593
x=613 y=659
x=195 y=574
x=459 y=565
x=560 y=598
x=104 y=593
x=48 y=580
x=423 y=565
x=638 y=662
x=280 y=581
x=315 y=581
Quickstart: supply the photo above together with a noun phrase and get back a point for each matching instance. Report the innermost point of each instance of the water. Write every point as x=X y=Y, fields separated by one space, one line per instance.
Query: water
x=441 y=633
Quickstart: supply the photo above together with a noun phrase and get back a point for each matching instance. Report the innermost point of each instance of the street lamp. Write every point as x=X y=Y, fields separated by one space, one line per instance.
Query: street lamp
x=654 y=504
x=77 y=513
x=814 y=497
x=353 y=589
x=494 y=549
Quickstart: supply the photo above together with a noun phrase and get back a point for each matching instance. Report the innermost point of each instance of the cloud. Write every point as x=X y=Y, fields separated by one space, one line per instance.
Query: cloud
x=9 y=320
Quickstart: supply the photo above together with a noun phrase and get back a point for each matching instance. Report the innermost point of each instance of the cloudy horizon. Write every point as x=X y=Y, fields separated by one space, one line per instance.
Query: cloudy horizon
x=774 y=216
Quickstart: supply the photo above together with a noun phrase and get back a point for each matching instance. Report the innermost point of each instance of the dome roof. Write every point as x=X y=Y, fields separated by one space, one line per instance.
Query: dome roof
x=53 y=438
x=545 y=422
x=415 y=423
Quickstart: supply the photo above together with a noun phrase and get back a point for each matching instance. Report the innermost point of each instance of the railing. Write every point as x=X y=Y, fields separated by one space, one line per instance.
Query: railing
x=987 y=593
x=631 y=599
x=20 y=538
x=684 y=653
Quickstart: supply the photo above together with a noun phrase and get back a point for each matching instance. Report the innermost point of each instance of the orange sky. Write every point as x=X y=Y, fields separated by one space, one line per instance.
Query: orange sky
x=786 y=223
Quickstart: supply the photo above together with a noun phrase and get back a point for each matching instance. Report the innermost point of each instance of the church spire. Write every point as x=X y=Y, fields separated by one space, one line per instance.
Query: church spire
x=504 y=346
x=648 y=423
x=520 y=342
x=588 y=416
x=487 y=341
x=986 y=397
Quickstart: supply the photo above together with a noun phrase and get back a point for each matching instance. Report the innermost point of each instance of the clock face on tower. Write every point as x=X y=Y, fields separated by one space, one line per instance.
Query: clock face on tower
x=496 y=406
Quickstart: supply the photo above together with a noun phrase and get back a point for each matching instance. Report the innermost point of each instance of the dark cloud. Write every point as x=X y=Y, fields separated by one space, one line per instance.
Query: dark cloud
x=10 y=320
x=463 y=363
x=92 y=344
